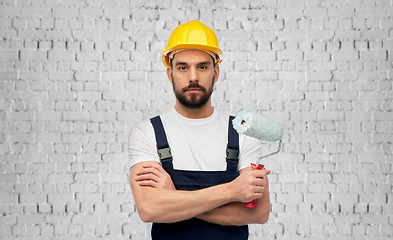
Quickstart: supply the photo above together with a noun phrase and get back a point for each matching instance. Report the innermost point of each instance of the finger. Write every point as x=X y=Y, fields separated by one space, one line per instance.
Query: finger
x=259 y=190
x=155 y=168
x=149 y=165
x=261 y=173
x=149 y=176
x=148 y=183
x=159 y=170
x=148 y=170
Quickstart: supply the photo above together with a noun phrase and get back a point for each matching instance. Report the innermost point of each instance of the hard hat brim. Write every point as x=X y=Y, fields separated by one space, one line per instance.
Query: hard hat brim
x=166 y=52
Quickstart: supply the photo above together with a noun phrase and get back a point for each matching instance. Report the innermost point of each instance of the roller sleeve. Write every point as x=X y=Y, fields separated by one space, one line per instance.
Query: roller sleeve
x=257 y=126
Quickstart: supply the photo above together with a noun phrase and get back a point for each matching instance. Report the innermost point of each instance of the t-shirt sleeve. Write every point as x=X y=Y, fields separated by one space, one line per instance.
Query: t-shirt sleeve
x=142 y=144
x=250 y=151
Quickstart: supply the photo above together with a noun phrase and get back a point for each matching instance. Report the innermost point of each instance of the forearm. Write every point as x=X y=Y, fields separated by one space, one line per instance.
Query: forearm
x=170 y=205
x=234 y=214
x=158 y=201
x=237 y=214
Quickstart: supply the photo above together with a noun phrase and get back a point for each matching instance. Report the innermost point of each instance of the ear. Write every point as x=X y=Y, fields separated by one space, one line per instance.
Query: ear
x=216 y=73
x=169 y=71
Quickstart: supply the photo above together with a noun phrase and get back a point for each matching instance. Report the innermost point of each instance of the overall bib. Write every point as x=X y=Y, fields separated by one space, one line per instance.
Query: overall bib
x=195 y=229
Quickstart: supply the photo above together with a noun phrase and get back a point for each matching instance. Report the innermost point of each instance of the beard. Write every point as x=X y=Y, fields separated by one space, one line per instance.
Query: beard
x=194 y=101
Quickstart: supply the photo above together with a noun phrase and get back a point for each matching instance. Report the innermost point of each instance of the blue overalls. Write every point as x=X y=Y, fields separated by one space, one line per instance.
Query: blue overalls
x=196 y=229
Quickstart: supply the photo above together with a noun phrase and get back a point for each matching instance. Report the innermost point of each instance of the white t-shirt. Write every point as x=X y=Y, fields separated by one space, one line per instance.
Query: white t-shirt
x=196 y=144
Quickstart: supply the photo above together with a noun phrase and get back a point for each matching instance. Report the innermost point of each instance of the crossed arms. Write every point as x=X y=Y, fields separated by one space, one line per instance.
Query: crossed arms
x=157 y=200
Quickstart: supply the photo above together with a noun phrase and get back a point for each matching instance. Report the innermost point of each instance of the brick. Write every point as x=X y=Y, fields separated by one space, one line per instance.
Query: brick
x=82 y=218
x=382 y=137
x=375 y=219
x=347 y=34
x=89 y=197
x=60 y=56
x=318 y=177
x=32 y=198
x=60 y=76
x=48 y=116
x=345 y=55
x=86 y=35
x=48 y=137
x=317 y=157
x=88 y=157
x=58 y=34
x=88 y=76
x=371 y=96
x=368 y=12
x=91 y=12
x=352 y=198
x=117 y=13
x=290 y=13
x=10 y=11
x=89 y=56
x=374 y=55
x=263 y=56
x=373 y=198
x=114 y=178
x=31 y=34
x=318 y=76
x=293 y=55
x=319 y=34
x=358 y=116
x=60 y=178
x=8 y=54
x=316 y=56
x=285 y=198
x=87 y=177
x=59 y=95
x=345 y=95
x=341 y=12
x=58 y=219
x=357 y=137
x=344 y=158
x=8 y=33
x=62 y=158
x=325 y=219
x=75 y=138
x=290 y=95
x=382 y=116
x=317 y=96
x=8 y=76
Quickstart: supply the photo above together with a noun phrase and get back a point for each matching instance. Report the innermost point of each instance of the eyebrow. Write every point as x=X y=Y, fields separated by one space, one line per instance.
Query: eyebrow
x=199 y=64
x=204 y=63
x=180 y=63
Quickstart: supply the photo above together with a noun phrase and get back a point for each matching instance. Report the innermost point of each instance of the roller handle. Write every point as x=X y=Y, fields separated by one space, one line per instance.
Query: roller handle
x=254 y=167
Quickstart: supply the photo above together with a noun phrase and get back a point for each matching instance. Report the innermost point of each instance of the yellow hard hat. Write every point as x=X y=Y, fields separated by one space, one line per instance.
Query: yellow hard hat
x=192 y=35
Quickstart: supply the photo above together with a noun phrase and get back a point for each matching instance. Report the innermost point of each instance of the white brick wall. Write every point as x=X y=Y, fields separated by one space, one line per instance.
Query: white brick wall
x=76 y=75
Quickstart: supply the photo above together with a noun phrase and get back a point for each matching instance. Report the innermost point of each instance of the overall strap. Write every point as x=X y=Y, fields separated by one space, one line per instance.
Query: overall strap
x=163 y=149
x=233 y=142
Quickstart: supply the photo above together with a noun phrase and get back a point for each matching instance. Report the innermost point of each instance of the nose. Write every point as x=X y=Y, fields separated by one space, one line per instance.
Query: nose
x=194 y=75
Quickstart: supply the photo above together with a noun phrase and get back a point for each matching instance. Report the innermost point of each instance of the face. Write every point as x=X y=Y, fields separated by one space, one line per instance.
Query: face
x=193 y=75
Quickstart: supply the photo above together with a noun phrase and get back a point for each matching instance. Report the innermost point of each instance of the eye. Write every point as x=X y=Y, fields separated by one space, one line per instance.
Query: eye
x=202 y=67
x=182 y=68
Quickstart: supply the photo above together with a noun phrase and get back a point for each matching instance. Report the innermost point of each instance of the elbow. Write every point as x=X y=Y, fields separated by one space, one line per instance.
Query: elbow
x=262 y=218
x=145 y=218
x=145 y=215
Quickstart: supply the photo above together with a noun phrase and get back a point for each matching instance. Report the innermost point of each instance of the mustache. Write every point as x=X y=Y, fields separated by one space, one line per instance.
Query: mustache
x=194 y=85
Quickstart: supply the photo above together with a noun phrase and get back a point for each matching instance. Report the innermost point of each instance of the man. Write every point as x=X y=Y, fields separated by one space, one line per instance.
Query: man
x=190 y=171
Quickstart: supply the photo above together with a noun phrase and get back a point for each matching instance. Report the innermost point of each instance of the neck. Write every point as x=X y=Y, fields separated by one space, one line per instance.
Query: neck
x=203 y=112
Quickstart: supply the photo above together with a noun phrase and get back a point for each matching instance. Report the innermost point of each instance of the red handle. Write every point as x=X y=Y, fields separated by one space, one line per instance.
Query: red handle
x=254 y=167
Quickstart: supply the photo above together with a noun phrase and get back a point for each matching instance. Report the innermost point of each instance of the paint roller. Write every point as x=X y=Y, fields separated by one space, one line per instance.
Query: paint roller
x=259 y=127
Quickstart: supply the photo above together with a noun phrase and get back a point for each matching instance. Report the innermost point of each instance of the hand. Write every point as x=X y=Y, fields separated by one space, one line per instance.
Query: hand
x=153 y=175
x=249 y=185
